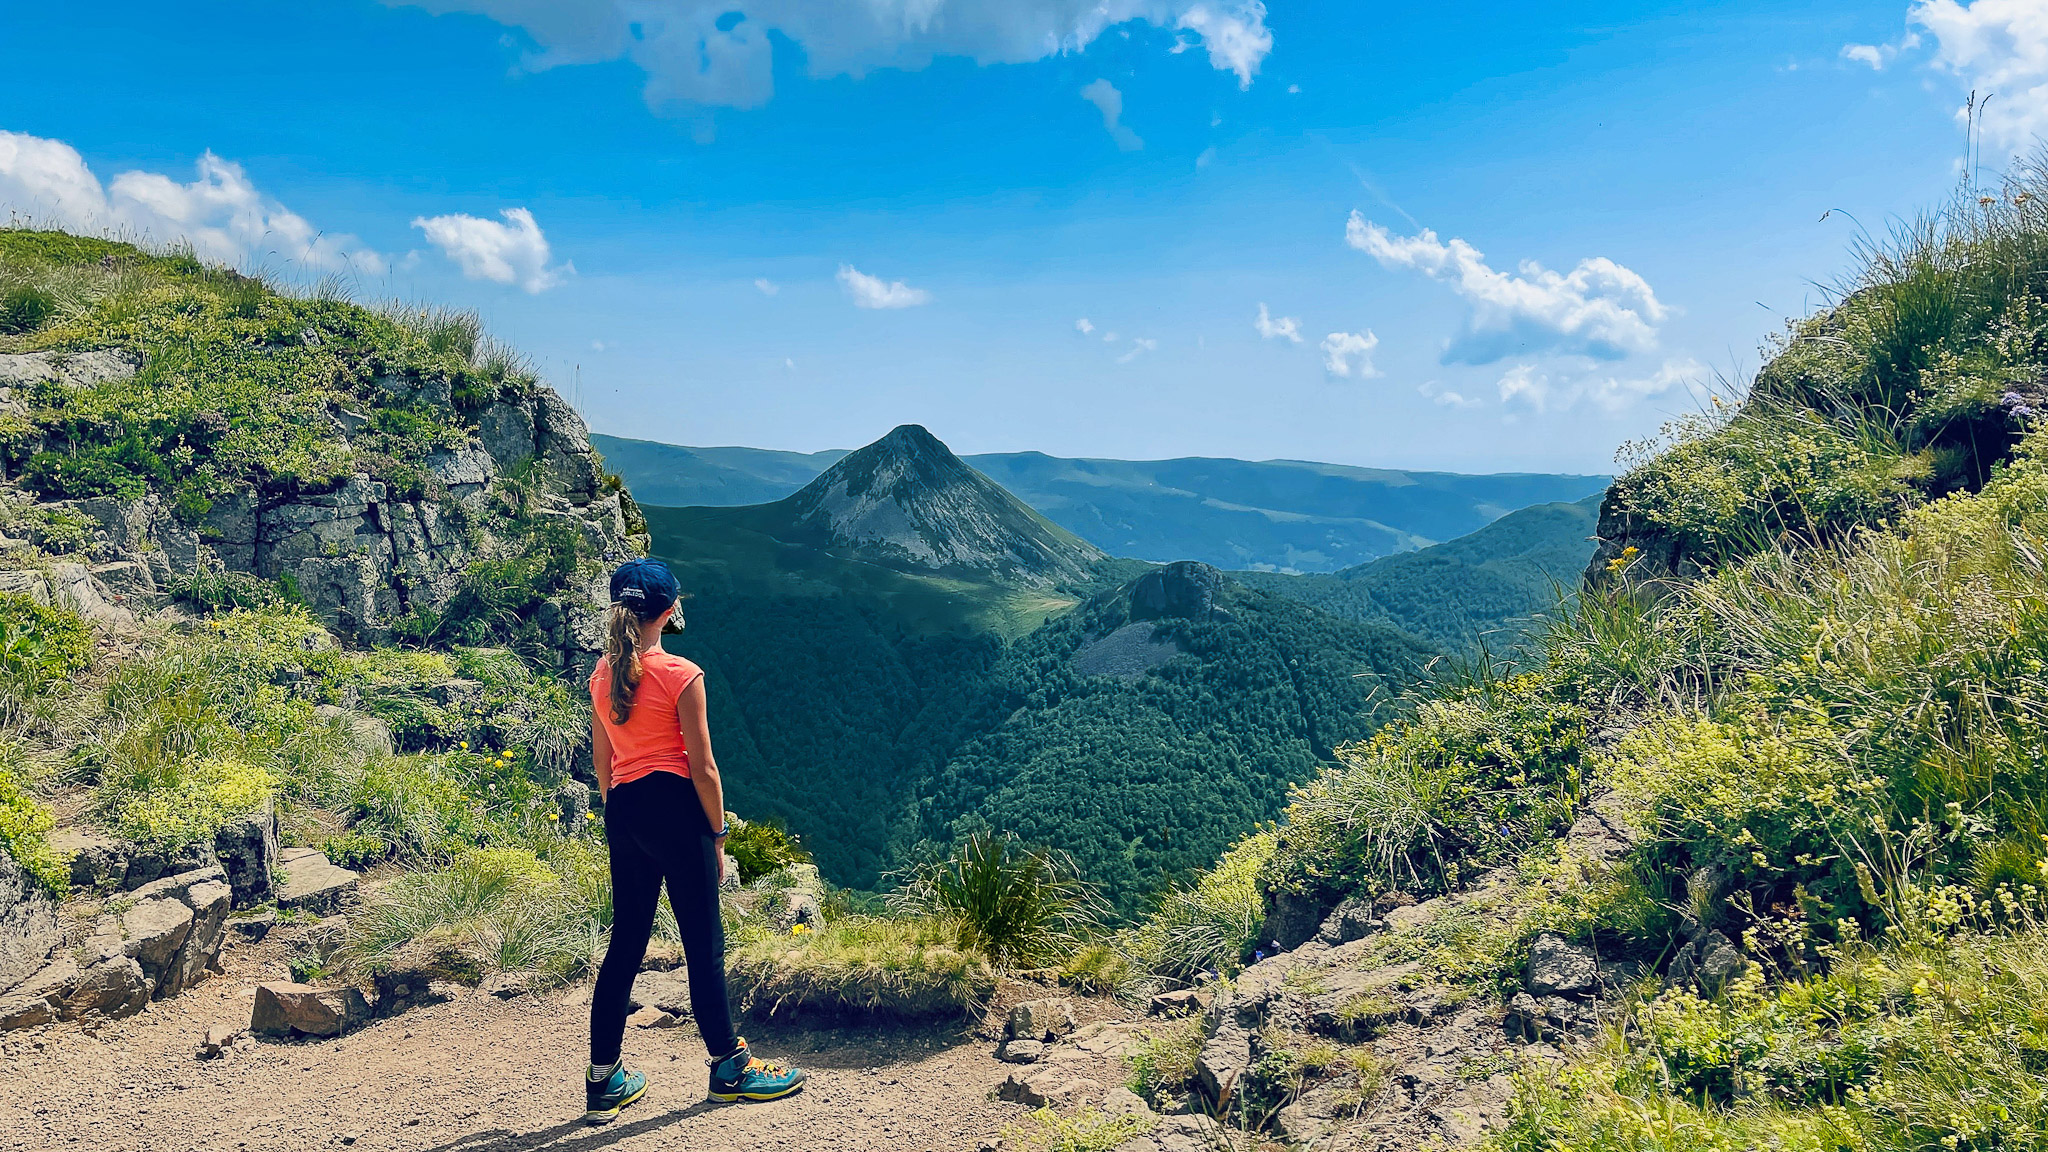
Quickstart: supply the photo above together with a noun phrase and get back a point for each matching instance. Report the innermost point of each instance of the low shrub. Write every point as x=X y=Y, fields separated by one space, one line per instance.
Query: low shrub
x=1018 y=906
x=40 y=646
x=764 y=846
x=25 y=826
x=1163 y=1063
x=185 y=801
x=869 y=967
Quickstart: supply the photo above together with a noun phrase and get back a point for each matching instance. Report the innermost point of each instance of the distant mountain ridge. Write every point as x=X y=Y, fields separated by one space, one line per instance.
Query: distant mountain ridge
x=1283 y=515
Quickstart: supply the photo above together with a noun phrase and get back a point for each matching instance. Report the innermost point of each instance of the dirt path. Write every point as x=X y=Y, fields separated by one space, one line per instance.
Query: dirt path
x=475 y=1074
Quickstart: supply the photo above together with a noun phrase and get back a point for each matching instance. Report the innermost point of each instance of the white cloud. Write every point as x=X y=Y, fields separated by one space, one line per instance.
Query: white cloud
x=1598 y=309
x=221 y=214
x=767 y=287
x=1447 y=398
x=1286 y=327
x=1348 y=355
x=1110 y=103
x=1205 y=157
x=1875 y=55
x=721 y=54
x=1139 y=346
x=512 y=252
x=1294 y=89
x=1995 y=47
x=1562 y=387
x=872 y=292
x=597 y=345
x=1083 y=326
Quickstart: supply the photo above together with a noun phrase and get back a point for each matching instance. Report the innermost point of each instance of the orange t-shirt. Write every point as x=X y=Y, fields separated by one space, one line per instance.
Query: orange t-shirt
x=651 y=739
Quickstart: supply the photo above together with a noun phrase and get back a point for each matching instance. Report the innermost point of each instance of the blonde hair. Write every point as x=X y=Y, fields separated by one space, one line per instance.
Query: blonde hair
x=622 y=652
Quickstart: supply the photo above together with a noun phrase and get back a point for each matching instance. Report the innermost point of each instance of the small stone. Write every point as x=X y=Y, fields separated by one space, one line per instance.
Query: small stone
x=651 y=1018
x=253 y=928
x=1040 y=1020
x=1185 y=1002
x=313 y=883
x=282 y=1008
x=1557 y=967
x=1020 y=1051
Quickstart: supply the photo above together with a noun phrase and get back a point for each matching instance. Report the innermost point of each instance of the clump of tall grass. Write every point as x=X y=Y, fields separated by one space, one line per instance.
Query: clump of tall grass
x=1210 y=925
x=1017 y=905
x=506 y=907
x=868 y=966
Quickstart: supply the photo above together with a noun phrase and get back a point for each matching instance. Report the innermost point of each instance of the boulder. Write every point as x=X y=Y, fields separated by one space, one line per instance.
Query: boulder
x=1350 y=920
x=652 y=1018
x=1292 y=919
x=1020 y=1051
x=28 y=923
x=1559 y=968
x=40 y=998
x=97 y=862
x=1183 y=1002
x=113 y=987
x=247 y=850
x=1041 y=1020
x=1222 y=1061
x=313 y=883
x=150 y=932
x=173 y=929
x=284 y=1008
x=801 y=902
x=253 y=928
x=1047 y=1085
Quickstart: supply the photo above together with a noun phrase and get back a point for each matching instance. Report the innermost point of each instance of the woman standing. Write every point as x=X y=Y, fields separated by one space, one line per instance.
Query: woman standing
x=664 y=821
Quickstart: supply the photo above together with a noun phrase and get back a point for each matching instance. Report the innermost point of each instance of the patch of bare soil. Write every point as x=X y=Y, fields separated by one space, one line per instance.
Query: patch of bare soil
x=477 y=1074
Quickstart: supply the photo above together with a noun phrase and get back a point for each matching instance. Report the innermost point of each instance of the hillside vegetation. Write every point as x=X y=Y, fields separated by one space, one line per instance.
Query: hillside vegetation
x=1479 y=588
x=1807 y=684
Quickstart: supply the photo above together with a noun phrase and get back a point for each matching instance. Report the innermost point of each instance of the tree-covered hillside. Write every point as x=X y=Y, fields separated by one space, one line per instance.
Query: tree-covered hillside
x=1461 y=591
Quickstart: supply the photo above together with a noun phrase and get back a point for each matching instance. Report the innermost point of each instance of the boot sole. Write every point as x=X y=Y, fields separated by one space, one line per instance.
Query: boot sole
x=607 y=1115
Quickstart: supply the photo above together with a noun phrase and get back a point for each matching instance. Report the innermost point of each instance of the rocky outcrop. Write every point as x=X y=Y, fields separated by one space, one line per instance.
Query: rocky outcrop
x=362 y=552
x=160 y=940
x=1182 y=590
x=314 y=883
x=28 y=923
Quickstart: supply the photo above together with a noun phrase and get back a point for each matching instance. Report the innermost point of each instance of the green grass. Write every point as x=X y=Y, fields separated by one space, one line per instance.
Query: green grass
x=1089 y=1129
x=870 y=967
x=1022 y=907
x=1210 y=925
x=504 y=909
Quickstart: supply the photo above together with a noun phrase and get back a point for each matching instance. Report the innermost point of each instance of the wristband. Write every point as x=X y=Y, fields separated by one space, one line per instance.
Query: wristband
x=724 y=830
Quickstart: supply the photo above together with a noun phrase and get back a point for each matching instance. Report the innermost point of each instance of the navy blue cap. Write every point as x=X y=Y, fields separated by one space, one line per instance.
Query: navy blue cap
x=645 y=586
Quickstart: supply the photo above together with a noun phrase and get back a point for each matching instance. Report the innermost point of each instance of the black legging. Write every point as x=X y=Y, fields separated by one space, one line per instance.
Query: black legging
x=657 y=830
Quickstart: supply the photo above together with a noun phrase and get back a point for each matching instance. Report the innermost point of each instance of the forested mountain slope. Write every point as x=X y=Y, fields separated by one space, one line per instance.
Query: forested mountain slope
x=1459 y=591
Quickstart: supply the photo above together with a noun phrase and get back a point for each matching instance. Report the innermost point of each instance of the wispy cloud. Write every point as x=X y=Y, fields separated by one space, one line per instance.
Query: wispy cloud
x=1348 y=355
x=1598 y=309
x=1561 y=387
x=873 y=292
x=766 y=286
x=221 y=214
x=1445 y=397
x=1285 y=327
x=1110 y=103
x=722 y=55
x=508 y=251
x=1139 y=346
x=1083 y=326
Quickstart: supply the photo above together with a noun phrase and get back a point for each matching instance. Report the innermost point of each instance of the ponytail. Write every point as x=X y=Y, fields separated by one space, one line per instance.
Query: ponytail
x=622 y=652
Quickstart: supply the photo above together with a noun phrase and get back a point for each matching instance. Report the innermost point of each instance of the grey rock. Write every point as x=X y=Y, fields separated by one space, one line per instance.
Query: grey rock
x=1350 y=920
x=28 y=923
x=40 y=998
x=113 y=987
x=98 y=862
x=313 y=883
x=1292 y=918
x=150 y=933
x=247 y=850
x=1047 y=1019
x=572 y=802
x=1222 y=1061
x=1183 y=1002
x=77 y=369
x=507 y=985
x=1182 y=590
x=506 y=430
x=253 y=928
x=1557 y=967
x=1020 y=1051
x=284 y=1008
x=1720 y=963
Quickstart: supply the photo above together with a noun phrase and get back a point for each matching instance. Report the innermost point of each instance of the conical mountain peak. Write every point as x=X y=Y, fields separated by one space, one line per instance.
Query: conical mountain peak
x=908 y=501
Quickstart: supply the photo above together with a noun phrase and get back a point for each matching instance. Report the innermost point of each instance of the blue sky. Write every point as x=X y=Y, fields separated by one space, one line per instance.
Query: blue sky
x=795 y=224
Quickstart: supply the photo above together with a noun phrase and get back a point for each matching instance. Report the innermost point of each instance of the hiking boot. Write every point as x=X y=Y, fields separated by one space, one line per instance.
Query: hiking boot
x=603 y=1098
x=741 y=1077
